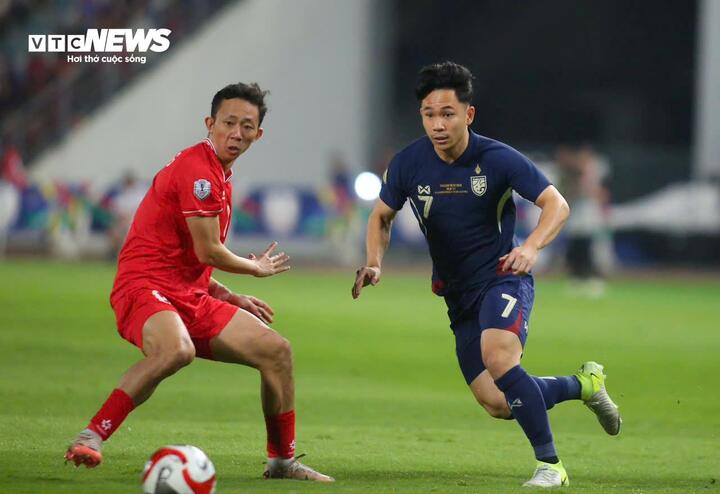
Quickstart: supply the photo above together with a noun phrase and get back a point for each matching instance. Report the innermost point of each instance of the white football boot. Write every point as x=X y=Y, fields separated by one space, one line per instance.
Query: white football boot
x=279 y=468
x=548 y=475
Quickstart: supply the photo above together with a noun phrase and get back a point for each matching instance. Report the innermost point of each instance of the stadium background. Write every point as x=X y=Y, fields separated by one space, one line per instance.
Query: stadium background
x=624 y=96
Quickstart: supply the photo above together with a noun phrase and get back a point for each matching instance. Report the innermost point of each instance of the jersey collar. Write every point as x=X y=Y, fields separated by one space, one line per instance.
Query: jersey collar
x=463 y=159
x=210 y=144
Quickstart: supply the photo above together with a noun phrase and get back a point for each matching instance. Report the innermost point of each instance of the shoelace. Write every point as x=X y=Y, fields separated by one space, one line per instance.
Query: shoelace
x=88 y=439
x=297 y=466
x=545 y=474
x=294 y=463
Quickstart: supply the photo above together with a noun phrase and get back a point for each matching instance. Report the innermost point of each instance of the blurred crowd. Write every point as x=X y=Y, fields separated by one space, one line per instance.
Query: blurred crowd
x=68 y=219
x=76 y=219
x=42 y=95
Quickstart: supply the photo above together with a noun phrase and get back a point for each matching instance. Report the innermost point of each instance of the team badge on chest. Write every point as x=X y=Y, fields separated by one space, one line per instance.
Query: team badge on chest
x=478 y=184
x=201 y=188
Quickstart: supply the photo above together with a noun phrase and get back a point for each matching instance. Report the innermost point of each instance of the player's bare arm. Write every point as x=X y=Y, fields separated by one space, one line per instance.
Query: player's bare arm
x=205 y=232
x=253 y=305
x=378 y=239
x=555 y=212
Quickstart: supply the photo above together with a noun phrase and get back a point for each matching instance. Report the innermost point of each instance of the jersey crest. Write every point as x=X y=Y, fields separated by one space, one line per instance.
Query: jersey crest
x=201 y=188
x=478 y=184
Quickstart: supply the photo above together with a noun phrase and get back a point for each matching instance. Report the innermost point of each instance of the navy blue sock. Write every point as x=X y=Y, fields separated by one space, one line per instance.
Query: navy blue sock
x=528 y=407
x=558 y=389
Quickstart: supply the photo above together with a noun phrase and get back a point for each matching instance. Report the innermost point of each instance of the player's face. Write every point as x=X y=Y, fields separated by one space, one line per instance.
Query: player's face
x=235 y=127
x=446 y=119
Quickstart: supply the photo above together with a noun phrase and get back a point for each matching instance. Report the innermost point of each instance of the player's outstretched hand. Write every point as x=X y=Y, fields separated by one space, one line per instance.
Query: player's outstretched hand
x=365 y=276
x=269 y=264
x=254 y=306
x=520 y=260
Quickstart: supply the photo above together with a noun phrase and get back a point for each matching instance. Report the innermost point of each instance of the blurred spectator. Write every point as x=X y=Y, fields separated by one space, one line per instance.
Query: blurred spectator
x=341 y=185
x=12 y=182
x=343 y=221
x=9 y=206
x=122 y=207
x=581 y=182
x=12 y=169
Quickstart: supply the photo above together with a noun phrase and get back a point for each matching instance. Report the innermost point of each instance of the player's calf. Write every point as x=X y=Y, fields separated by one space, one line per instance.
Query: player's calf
x=497 y=410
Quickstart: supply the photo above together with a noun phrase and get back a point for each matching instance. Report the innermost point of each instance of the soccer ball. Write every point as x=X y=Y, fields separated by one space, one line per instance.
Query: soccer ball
x=179 y=470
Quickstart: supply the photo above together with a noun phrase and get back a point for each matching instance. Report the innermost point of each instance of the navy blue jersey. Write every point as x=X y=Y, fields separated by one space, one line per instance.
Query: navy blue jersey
x=464 y=209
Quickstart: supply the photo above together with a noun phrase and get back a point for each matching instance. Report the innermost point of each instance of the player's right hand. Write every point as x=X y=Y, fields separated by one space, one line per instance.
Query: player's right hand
x=268 y=264
x=367 y=275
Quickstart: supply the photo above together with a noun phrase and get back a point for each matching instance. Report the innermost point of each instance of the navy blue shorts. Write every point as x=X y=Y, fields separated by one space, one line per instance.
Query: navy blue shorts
x=506 y=304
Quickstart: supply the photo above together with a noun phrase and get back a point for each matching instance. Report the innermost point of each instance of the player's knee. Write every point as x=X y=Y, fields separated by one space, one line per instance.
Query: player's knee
x=176 y=358
x=497 y=363
x=185 y=355
x=281 y=354
x=284 y=352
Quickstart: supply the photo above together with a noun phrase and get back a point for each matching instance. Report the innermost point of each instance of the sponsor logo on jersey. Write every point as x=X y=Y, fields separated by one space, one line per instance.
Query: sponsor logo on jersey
x=516 y=403
x=160 y=297
x=478 y=184
x=201 y=188
x=477 y=169
x=423 y=189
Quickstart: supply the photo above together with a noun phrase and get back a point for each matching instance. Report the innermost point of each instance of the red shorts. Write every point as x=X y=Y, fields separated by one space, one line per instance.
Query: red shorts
x=204 y=316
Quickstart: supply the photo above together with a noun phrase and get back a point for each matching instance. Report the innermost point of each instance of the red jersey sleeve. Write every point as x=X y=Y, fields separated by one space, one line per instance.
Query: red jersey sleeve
x=198 y=187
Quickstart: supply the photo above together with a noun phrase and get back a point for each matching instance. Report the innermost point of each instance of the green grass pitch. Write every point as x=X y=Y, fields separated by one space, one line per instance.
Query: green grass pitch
x=381 y=403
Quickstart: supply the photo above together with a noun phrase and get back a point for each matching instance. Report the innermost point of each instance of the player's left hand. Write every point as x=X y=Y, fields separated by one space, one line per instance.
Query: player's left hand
x=520 y=260
x=254 y=306
x=269 y=264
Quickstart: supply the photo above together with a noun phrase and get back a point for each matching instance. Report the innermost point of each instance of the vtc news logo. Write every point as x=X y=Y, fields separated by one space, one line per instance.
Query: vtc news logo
x=102 y=41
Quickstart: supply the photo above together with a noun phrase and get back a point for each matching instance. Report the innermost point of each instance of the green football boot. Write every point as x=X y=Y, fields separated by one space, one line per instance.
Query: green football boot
x=596 y=398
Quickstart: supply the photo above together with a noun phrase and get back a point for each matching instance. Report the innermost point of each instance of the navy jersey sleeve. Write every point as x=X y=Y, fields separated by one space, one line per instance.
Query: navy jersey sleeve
x=524 y=176
x=392 y=191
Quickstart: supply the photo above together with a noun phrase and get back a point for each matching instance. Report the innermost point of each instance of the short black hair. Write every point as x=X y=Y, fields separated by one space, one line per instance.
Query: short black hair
x=445 y=75
x=248 y=92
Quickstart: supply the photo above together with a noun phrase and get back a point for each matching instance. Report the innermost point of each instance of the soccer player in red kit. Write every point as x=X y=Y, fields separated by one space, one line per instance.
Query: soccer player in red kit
x=167 y=303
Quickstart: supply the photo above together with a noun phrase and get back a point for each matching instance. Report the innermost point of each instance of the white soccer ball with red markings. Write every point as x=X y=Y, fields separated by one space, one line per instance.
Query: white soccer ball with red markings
x=179 y=470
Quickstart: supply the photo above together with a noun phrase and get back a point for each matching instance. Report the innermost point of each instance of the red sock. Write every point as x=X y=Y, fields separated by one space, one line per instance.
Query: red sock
x=281 y=435
x=111 y=415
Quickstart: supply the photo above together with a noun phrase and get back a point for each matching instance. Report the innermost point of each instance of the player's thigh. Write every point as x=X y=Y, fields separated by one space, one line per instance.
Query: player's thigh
x=165 y=333
x=489 y=396
x=247 y=340
x=467 y=348
x=504 y=316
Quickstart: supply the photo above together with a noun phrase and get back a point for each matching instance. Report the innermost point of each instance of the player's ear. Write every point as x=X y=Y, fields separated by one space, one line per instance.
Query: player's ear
x=470 y=115
x=209 y=122
x=260 y=133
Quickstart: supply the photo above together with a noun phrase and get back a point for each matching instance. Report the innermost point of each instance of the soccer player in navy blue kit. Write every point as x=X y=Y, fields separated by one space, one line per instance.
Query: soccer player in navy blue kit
x=460 y=185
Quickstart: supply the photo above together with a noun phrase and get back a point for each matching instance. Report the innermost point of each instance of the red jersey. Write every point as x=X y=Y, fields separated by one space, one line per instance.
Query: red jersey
x=158 y=251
